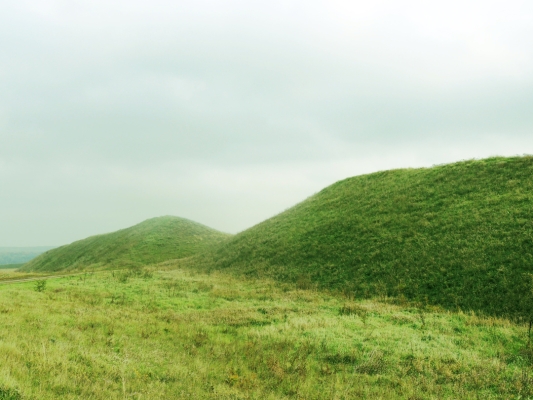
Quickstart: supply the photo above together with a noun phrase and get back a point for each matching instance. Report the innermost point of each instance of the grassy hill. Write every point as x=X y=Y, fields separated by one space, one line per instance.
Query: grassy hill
x=151 y=241
x=458 y=235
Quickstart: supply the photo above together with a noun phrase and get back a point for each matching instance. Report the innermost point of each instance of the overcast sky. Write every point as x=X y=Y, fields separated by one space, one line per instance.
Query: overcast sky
x=229 y=112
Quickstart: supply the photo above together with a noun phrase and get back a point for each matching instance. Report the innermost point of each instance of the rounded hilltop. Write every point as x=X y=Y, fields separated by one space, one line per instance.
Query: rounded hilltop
x=152 y=241
x=458 y=235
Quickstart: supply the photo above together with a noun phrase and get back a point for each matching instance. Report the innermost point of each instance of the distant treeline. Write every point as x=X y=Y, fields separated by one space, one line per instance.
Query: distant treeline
x=19 y=255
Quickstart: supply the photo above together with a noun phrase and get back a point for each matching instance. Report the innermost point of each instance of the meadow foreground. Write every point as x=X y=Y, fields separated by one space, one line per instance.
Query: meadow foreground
x=157 y=333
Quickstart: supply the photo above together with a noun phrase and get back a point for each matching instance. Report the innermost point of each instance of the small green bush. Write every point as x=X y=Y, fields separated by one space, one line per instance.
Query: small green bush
x=40 y=286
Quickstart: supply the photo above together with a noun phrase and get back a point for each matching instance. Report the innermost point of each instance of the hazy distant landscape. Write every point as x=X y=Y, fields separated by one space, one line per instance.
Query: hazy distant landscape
x=20 y=255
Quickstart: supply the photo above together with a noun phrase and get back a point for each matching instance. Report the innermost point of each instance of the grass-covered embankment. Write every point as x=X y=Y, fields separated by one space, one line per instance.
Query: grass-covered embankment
x=150 y=242
x=458 y=235
x=177 y=335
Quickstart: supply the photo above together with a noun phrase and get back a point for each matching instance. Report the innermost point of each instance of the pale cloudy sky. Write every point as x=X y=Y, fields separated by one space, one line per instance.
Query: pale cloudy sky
x=228 y=112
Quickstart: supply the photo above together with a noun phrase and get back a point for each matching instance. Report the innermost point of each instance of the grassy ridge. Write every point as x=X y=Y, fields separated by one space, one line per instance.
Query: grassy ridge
x=458 y=235
x=151 y=241
x=156 y=334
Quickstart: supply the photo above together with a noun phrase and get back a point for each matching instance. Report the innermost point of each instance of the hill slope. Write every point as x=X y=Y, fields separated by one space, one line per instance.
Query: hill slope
x=151 y=241
x=458 y=235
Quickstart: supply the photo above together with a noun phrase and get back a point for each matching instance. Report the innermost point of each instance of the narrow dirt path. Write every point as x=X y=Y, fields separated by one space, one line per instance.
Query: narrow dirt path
x=37 y=278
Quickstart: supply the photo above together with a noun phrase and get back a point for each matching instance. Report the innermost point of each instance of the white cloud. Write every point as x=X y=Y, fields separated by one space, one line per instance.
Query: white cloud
x=227 y=112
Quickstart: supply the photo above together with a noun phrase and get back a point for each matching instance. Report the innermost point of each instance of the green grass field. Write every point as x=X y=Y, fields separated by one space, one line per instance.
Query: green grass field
x=167 y=333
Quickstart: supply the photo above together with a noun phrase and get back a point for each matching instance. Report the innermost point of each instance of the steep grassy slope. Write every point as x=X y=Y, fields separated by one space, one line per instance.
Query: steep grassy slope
x=151 y=241
x=458 y=235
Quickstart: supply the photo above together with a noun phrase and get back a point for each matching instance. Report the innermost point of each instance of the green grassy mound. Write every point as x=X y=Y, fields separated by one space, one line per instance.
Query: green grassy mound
x=151 y=241
x=458 y=235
